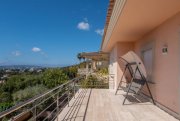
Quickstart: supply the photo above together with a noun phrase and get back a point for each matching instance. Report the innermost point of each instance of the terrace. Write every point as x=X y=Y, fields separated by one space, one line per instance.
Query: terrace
x=103 y=105
x=151 y=30
x=71 y=101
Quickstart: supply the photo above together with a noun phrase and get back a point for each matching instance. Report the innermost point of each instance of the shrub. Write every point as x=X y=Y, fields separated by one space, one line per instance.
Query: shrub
x=103 y=71
x=4 y=106
x=54 y=77
x=93 y=82
x=28 y=93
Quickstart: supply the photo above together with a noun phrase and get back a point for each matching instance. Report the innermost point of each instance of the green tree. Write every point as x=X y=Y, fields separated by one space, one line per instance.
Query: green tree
x=71 y=71
x=54 y=77
x=16 y=83
x=5 y=97
x=5 y=105
x=28 y=93
x=79 y=56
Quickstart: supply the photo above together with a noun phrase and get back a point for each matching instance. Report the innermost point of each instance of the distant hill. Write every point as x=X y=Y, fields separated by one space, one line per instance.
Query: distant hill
x=19 y=66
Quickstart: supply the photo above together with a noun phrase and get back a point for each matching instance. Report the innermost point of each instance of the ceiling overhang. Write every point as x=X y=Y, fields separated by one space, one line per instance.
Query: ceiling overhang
x=131 y=19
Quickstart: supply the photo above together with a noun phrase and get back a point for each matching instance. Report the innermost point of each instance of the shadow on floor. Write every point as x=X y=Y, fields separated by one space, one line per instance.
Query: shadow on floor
x=78 y=107
x=132 y=97
x=136 y=99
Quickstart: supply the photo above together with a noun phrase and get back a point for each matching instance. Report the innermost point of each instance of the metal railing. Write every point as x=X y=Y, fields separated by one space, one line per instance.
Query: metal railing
x=47 y=106
x=44 y=107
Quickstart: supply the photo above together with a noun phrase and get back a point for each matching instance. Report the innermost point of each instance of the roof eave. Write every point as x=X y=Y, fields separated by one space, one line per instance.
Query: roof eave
x=109 y=13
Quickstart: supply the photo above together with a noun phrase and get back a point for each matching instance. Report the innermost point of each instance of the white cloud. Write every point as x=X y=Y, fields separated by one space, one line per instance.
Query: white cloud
x=100 y=31
x=40 y=51
x=36 y=49
x=84 y=25
x=16 y=53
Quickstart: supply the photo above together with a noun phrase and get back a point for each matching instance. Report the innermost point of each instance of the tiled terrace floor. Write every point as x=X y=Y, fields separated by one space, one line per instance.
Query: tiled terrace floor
x=103 y=105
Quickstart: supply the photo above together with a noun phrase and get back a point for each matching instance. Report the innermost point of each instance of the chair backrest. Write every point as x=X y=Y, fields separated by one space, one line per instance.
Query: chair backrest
x=137 y=85
x=139 y=81
x=136 y=69
x=132 y=57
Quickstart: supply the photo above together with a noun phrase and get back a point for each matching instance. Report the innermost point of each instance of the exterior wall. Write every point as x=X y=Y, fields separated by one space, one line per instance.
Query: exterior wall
x=113 y=69
x=123 y=48
x=166 y=69
x=179 y=77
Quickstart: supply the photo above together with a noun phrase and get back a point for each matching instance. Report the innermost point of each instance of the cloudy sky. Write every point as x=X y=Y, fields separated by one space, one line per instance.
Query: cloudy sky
x=49 y=32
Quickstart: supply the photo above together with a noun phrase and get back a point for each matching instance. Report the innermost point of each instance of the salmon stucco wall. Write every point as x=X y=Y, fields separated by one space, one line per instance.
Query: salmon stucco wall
x=113 y=69
x=122 y=48
x=114 y=66
x=166 y=68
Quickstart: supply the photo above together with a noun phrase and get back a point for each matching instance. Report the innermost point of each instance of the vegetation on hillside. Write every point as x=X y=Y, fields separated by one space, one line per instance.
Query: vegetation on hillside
x=54 y=77
x=103 y=71
x=23 y=86
x=93 y=82
x=20 y=87
x=29 y=92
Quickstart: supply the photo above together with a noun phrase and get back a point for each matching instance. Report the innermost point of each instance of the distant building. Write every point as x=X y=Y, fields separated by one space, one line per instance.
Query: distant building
x=31 y=69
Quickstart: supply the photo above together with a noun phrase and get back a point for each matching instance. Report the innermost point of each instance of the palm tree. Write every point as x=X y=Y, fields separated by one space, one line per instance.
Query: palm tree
x=79 y=56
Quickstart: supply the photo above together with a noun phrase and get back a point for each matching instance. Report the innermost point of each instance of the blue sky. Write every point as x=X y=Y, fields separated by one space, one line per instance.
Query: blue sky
x=49 y=32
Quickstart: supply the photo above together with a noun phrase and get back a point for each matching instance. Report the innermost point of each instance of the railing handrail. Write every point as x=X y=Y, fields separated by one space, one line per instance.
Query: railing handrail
x=22 y=104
